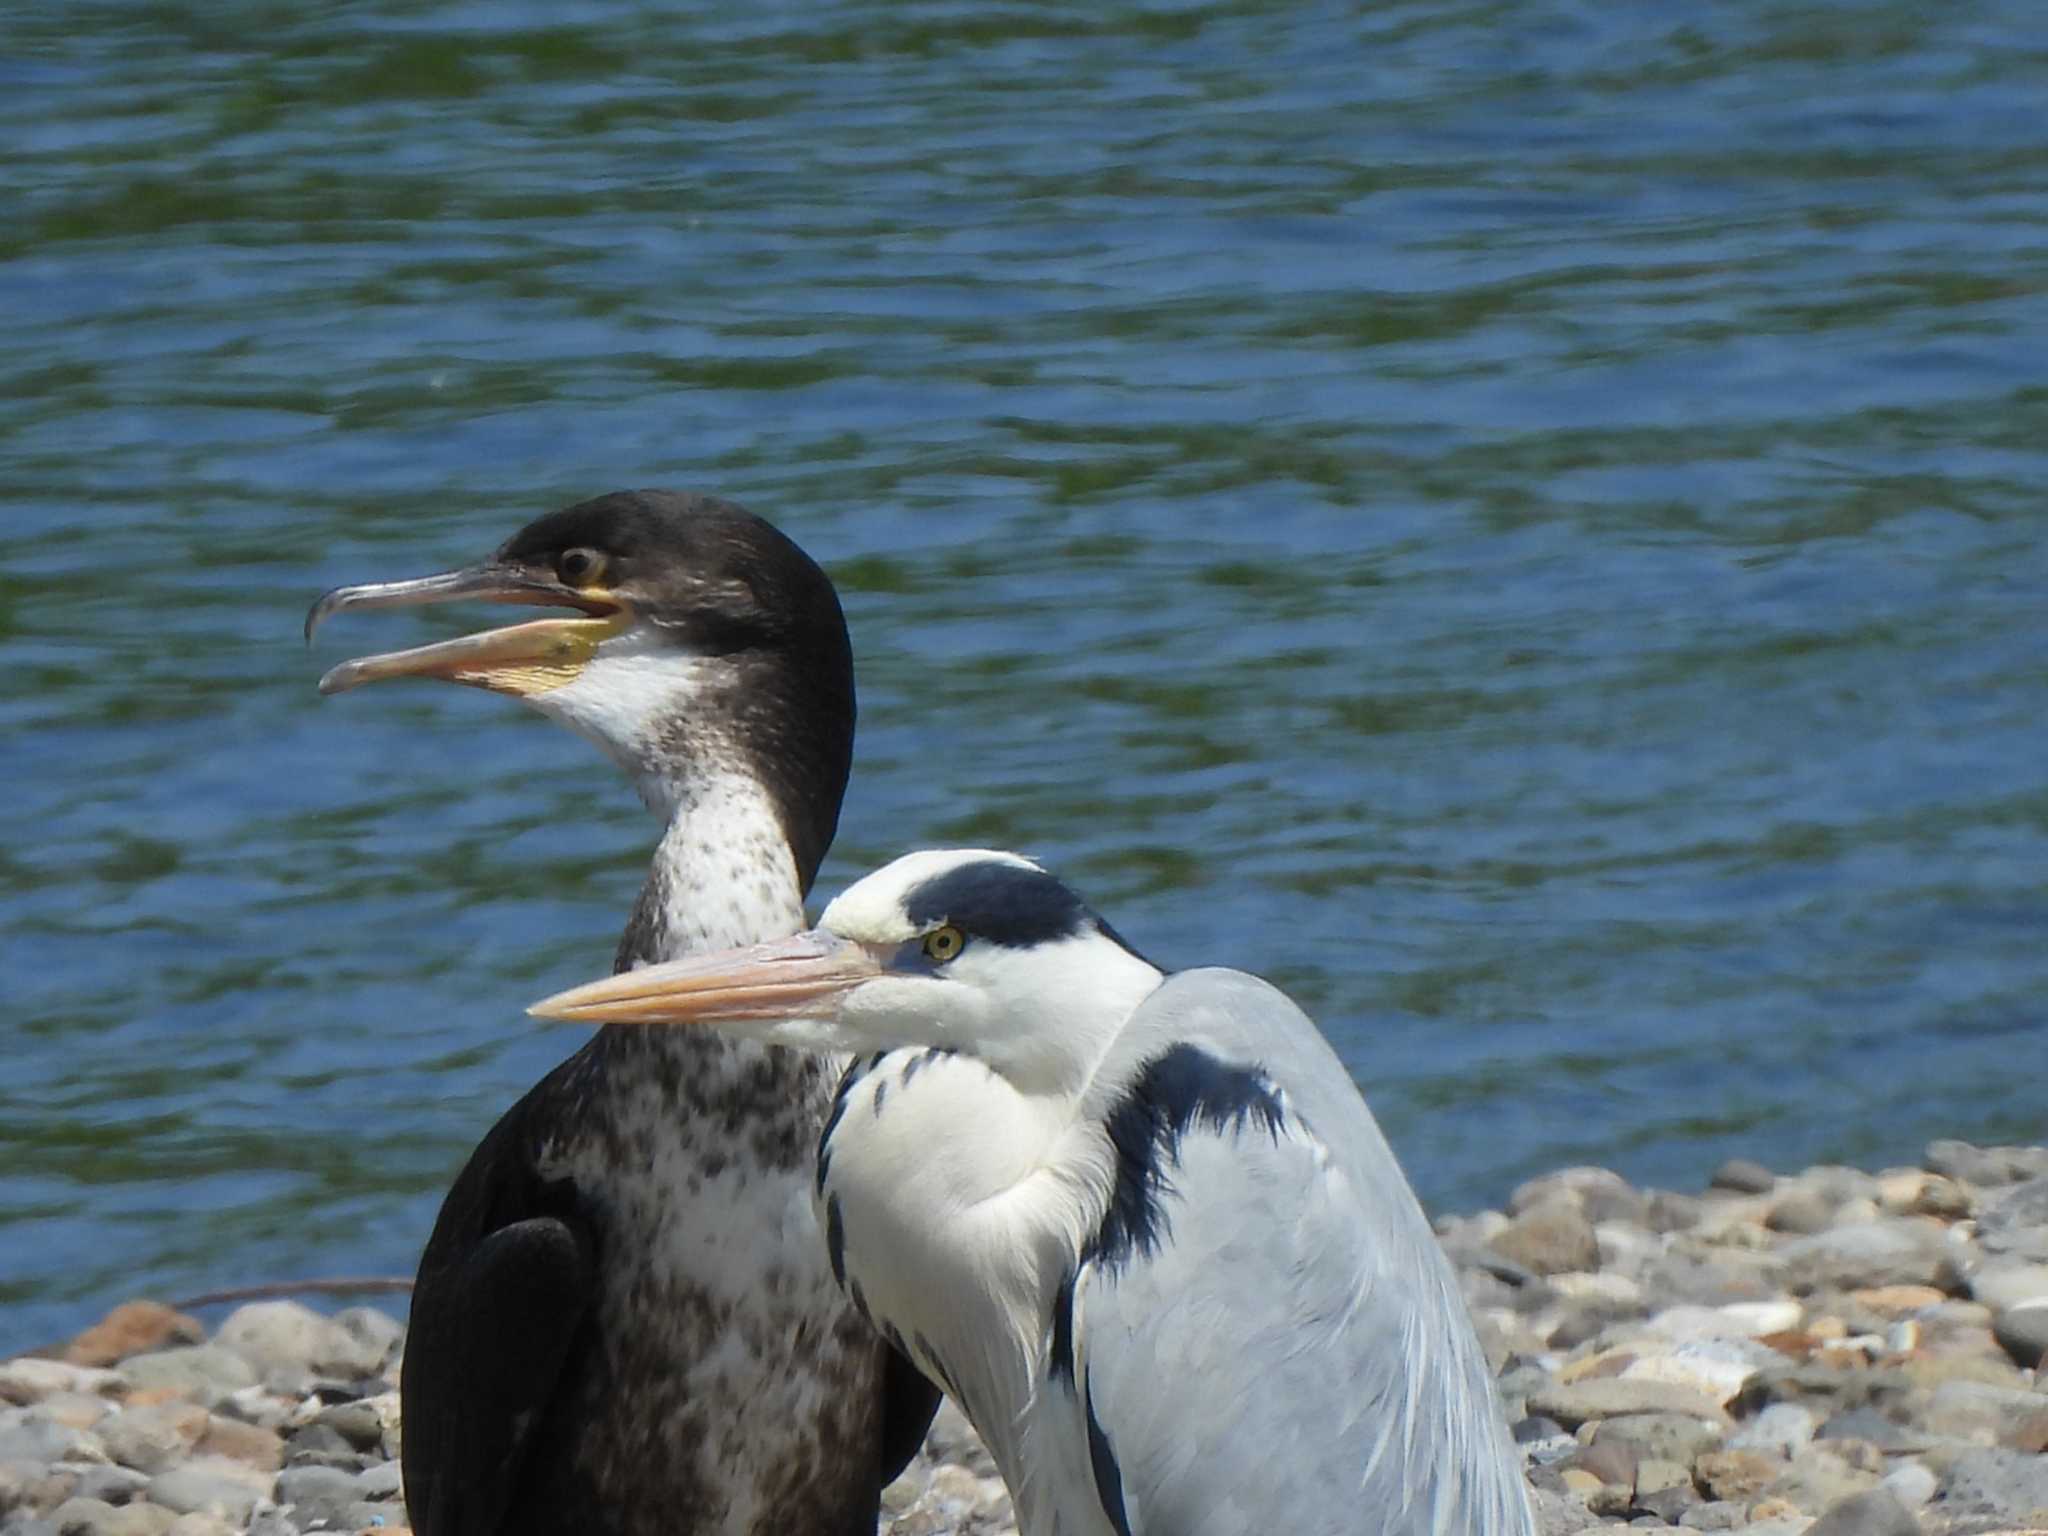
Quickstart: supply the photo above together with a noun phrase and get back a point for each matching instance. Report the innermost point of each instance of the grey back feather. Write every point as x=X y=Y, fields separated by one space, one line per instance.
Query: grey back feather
x=1292 y=1353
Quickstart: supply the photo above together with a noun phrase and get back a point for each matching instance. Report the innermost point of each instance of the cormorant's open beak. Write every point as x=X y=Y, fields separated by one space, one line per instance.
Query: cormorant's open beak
x=519 y=659
x=795 y=979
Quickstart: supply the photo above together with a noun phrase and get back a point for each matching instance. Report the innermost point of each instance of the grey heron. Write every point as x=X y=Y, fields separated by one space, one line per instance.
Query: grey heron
x=624 y=1321
x=1141 y=1227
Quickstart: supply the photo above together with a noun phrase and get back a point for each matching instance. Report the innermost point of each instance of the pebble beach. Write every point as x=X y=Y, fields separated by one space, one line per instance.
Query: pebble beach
x=1836 y=1352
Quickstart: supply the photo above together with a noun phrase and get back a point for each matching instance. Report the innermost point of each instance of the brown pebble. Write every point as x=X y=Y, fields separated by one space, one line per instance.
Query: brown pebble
x=1609 y=1461
x=1733 y=1476
x=1774 y=1509
x=1552 y=1239
x=1898 y=1300
x=249 y=1444
x=133 y=1328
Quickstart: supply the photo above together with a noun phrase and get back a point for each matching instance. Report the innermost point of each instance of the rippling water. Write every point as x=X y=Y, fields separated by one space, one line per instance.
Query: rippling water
x=1521 y=522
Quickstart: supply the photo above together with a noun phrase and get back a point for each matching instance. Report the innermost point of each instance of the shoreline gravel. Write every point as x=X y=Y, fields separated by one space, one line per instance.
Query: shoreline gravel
x=1834 y=1352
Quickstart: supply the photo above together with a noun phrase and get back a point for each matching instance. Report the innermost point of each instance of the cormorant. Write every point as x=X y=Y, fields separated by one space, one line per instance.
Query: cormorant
x=625 y=1322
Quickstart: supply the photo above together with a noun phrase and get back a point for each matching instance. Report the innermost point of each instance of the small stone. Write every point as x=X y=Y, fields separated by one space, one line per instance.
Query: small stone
x=1660 y=1436
x=1715 y=1368
x=358 y=1423
x=1574 y=1405
x=110 y=1485
x=1668 y=1503
x=81 y=1517
x=1910 y=1483
x=1872 y=1513
x=2006 y=1283
x=1735 y=1476
x=1896 y=1251
x=1782 y=1429
x=141 y=1519
x=151 y=1437
x=2013 y=1223
x=1800 y=1211
x=253 y=1447
x=1894 y=1301
x=1944 y=1199
x=1609 y=1460
x=133 y=1328
x=315 y=1494
x=1741 y=1176
x=1550 y=1240
x=202 y=1372
x=2023 y=1333
x=30 y=1435
x=1714 y=1516
x=1817 y=1479
x=379 y=1333
x=201 y=1523
x=288 y=1341
x=1994 y=1485
x=208 y=1486
x=382 y=1481
x=31 y=1380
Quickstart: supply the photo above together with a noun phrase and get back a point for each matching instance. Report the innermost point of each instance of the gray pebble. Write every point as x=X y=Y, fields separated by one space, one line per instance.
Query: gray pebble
x=356 y=1423
x=1715 y=1515
x=1910 y=1483
x=316 y=1495
x=2014 y=1222
x=1800 y=1211
x=1552 y=1239
x=1742 y=1177
x=1875 y=1513
x=1987 y=1484
x=112 y=1485
x=206 y=1487
x=29 y=1435
x=378 y=1482
x=1662 y=1436
x=1902 y=1251
x=1783 y=1429
x=2022 y=1332
x=202 y=1372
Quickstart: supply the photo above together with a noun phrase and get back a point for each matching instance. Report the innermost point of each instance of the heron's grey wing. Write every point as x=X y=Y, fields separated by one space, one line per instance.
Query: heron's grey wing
x=1265 y=1335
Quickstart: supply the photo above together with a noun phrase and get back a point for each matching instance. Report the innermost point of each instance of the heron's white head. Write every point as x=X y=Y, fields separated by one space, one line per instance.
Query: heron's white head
x=969 y=950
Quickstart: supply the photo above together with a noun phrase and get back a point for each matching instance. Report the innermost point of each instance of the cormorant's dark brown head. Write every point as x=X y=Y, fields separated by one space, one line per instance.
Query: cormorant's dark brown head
x=703 y=642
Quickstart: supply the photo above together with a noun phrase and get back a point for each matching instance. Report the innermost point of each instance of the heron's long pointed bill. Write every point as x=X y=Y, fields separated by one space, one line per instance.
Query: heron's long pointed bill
x=746 y=991
x=520 y=658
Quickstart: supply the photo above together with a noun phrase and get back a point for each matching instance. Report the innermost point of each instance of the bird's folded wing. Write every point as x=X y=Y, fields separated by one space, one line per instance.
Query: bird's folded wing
x=1292 y=1353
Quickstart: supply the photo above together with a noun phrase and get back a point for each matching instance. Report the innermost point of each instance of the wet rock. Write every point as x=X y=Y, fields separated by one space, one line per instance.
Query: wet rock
x=1875 y=1513
x=1550 y=1240
x=133 y=1328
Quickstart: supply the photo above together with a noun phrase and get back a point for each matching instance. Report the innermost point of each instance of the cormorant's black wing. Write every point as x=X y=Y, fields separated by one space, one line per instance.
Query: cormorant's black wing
x=908 y=1403
x=504 y=1288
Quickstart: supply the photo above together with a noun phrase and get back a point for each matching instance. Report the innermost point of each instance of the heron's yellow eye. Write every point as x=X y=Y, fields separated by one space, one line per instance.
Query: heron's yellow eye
x=942 y=944
x=580 y=567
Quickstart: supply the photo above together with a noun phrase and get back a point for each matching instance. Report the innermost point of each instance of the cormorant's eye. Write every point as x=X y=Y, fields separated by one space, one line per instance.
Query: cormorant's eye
x=942 y=944
x=580 y=567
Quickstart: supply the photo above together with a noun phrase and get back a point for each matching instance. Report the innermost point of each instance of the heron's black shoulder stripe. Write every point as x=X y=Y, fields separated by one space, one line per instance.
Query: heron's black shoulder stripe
x=1181 y=1088
x=1109 y=1477
x=835 y=1239
x=1063 y=1329
x=921 y=1060
x=997 y=902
